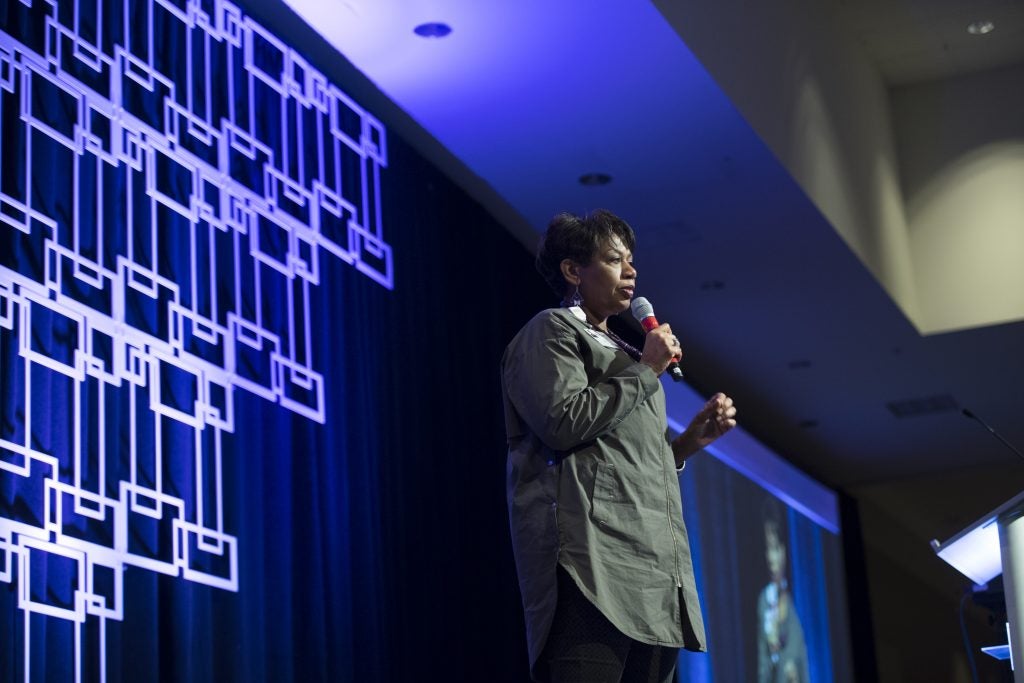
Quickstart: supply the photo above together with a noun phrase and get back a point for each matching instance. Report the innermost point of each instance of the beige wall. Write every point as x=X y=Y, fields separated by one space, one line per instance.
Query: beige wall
x=925 y=184
x=961 y=148
x=821 y=107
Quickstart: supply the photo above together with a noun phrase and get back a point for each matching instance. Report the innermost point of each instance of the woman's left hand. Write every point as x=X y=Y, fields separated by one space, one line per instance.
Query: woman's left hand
x=716 y=418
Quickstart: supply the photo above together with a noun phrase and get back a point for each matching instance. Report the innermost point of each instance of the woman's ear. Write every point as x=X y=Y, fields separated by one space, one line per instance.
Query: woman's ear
x=570 y=271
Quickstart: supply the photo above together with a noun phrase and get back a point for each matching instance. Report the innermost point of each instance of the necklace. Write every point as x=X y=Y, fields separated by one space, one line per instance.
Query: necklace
x=626 y=347
x=630 y=350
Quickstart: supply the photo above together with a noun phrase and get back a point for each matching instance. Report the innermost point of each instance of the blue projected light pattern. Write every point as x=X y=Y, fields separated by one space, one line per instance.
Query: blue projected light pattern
x=169 y=174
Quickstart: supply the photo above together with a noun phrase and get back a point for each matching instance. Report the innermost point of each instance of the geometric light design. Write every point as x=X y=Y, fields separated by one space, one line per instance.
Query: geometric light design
x=161 y=225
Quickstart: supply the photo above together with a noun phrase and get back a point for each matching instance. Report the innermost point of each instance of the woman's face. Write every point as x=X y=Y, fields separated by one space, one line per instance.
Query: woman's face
x=774 y=553
x=607 y=283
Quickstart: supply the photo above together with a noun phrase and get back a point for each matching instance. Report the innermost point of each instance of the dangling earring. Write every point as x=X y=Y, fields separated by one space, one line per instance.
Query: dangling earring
x=576 y=299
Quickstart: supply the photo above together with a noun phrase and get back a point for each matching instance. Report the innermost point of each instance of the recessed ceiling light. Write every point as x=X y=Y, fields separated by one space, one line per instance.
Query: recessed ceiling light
x=980 y=28
x=432 y=29
x=595 y=179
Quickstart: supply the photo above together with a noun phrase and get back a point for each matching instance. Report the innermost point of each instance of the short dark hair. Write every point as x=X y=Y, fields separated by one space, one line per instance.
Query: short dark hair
x=773 y=515
x=577 y=238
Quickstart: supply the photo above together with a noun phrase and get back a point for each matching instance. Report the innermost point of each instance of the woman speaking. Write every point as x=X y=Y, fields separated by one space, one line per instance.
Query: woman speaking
x=594 y=505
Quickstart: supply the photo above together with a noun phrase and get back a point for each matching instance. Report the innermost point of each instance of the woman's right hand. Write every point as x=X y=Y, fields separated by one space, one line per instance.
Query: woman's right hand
x=660 y=347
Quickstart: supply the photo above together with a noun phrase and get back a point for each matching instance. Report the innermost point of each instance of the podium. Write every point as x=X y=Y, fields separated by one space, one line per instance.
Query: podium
x=991 y=546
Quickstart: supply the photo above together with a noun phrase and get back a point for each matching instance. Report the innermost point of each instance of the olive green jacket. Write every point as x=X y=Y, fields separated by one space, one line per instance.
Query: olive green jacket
x=592 y=484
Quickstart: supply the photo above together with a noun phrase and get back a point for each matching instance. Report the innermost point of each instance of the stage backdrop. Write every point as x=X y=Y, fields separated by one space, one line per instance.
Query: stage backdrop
x=250 y=426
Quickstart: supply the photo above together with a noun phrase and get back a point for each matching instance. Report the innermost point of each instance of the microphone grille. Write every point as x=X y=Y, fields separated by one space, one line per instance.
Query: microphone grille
x=641 y=308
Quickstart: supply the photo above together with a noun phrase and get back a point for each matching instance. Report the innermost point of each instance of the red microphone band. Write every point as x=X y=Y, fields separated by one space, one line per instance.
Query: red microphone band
x=649 y=323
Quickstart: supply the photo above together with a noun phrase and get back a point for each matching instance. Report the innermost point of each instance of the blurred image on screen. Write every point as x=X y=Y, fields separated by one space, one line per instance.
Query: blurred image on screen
x=772 y=582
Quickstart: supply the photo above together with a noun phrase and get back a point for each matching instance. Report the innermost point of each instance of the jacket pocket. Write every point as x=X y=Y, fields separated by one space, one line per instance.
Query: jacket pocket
x=611 y=508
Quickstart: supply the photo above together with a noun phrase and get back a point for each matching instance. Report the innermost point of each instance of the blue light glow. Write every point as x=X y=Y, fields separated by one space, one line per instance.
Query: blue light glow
x=162 y=241
x=749 y=457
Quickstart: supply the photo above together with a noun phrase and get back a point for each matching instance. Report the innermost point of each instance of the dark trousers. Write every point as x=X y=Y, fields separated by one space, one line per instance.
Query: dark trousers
x=584 y=647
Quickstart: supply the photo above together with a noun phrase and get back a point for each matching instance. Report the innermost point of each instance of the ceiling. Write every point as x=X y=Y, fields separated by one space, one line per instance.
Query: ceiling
x=920 y=40
x=771 y=303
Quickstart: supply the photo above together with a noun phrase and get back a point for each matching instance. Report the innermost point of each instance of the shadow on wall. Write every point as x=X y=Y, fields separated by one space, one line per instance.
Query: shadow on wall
x=856 y=187
x=966 y=226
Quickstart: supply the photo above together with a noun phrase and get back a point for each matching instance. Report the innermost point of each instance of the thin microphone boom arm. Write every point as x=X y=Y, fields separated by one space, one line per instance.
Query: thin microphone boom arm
x=994 y=433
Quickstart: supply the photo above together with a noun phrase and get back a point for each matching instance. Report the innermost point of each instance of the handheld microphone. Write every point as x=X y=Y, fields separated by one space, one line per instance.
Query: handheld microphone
x=643 y=311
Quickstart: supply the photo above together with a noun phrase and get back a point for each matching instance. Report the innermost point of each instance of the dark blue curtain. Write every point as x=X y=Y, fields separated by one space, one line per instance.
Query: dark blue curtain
x=810 y=593
x=718 y=521
x=371 y=546
x=375 y=547
x=695 y=667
